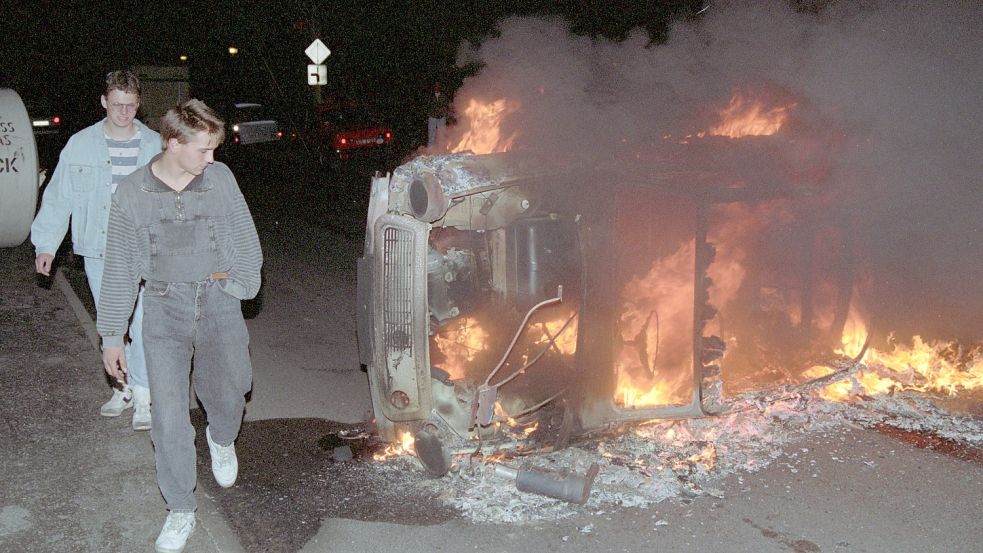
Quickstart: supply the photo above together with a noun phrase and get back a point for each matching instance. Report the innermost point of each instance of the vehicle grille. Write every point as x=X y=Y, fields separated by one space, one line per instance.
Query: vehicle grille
x=397 y=281
x=401 y=359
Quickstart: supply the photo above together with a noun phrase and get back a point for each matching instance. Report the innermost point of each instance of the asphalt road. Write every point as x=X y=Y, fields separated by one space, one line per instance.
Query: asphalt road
x=73 y=481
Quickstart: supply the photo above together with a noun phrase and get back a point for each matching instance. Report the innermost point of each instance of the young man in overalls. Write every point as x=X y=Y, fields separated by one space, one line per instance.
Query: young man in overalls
x=182 y=226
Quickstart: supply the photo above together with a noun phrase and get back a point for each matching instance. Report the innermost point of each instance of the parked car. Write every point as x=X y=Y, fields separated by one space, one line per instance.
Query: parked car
x=347 y=129
x=50 y=131
x=251 y=123
x=46 y=124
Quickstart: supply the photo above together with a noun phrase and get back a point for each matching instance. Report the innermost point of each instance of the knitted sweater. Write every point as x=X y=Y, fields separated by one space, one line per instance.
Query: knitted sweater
x=156 y=233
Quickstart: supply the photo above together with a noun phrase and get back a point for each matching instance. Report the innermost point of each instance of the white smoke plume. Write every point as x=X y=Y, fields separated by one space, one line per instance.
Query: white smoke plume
x=892 y=89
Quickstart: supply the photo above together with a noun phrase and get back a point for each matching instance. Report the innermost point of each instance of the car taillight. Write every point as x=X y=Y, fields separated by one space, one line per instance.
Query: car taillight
x=279 y=134
x=56 y=120
x=344 y=141
x=389 y=135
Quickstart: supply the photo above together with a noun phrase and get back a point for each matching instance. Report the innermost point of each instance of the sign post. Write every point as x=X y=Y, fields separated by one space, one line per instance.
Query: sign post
x=317 y=74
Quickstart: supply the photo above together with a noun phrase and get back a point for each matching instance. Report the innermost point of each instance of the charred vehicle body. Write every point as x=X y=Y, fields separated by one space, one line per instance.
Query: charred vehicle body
x=495 y=285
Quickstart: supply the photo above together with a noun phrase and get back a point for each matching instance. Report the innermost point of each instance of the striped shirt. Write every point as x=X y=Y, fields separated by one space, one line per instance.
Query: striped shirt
x=123 y=155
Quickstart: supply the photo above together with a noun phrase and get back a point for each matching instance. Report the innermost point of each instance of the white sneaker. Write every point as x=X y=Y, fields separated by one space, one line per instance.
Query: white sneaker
x=225 y=465
x=121 y=400
x=175 y=532
x=141 y=407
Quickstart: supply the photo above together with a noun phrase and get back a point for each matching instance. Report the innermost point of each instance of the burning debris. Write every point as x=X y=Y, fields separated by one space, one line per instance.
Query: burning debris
x=648 y=463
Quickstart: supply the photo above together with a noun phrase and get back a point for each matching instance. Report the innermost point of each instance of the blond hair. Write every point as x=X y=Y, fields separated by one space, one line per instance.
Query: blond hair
x=188 y=118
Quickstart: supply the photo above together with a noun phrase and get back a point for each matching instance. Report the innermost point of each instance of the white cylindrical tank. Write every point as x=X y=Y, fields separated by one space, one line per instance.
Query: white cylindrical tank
x=18 y=170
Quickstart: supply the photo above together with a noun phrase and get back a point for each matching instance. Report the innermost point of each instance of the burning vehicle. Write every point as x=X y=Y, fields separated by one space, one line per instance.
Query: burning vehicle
x=494 y=285
x=507 y=295
x=657 y=242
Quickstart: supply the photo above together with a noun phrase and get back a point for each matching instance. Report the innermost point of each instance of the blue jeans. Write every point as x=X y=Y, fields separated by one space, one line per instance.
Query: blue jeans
x=195 y=323
x=135 y=361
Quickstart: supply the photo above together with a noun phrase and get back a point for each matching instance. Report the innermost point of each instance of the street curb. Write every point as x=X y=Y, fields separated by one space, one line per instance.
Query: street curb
x=79 y=309
x=219 y=533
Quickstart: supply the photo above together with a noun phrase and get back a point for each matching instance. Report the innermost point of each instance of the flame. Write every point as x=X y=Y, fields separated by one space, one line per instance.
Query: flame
x=403 y=447
x=460 y=342
x=746 y=117
x=497 y=457
x=854 y=333
x=484 y=126
x=935 y=367
x=939 y=367
x=500 y=411
x=733 y=230
x=656 y=330
x=629 y=395
x=566 y=342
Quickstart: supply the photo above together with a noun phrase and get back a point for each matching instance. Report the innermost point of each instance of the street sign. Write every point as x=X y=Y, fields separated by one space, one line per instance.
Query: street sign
x=317 y=74
x=317 y=51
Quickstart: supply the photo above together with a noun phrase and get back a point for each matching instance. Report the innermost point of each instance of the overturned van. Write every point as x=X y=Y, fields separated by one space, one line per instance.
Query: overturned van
x=495 y=286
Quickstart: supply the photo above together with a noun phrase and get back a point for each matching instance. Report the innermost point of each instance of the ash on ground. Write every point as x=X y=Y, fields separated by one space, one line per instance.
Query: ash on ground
x=648 y=463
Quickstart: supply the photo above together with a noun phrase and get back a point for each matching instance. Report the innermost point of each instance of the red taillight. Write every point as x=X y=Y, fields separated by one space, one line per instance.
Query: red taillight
x=279 y=134
x=344 y=141
x=389 y=135
x=56 y=120
x=235 y=138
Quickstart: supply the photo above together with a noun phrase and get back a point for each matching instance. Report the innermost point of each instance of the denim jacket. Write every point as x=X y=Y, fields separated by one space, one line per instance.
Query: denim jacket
x=81 y=188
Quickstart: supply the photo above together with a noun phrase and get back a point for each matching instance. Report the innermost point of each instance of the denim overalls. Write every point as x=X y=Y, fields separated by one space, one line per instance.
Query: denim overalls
x=189 y=321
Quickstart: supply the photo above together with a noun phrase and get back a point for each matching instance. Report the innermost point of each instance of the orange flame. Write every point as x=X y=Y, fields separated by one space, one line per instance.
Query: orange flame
x=937 y=367
x=403 y=447
x=566 y=342
x=484 y=127
x=631 y=395
x=656 y=330
x=460 y=342
x=745 y=117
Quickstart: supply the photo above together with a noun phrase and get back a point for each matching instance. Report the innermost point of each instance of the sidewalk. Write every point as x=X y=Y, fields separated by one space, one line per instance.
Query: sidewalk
x=71 y=480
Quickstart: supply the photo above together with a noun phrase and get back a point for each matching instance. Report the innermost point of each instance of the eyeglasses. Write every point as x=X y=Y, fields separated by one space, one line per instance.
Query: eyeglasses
x=123 y=108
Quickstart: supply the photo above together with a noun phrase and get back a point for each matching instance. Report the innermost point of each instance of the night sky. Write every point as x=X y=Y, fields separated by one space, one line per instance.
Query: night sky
x=387 y=52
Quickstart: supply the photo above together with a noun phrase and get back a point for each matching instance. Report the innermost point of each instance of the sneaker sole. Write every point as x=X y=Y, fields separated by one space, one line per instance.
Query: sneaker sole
x=159 y=549
x=115 y=413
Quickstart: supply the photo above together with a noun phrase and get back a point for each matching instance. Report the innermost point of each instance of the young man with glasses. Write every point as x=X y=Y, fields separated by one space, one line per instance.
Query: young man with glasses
x=89 y=168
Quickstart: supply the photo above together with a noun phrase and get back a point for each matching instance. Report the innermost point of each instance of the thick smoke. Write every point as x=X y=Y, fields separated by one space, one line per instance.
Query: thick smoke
x=893 y=88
